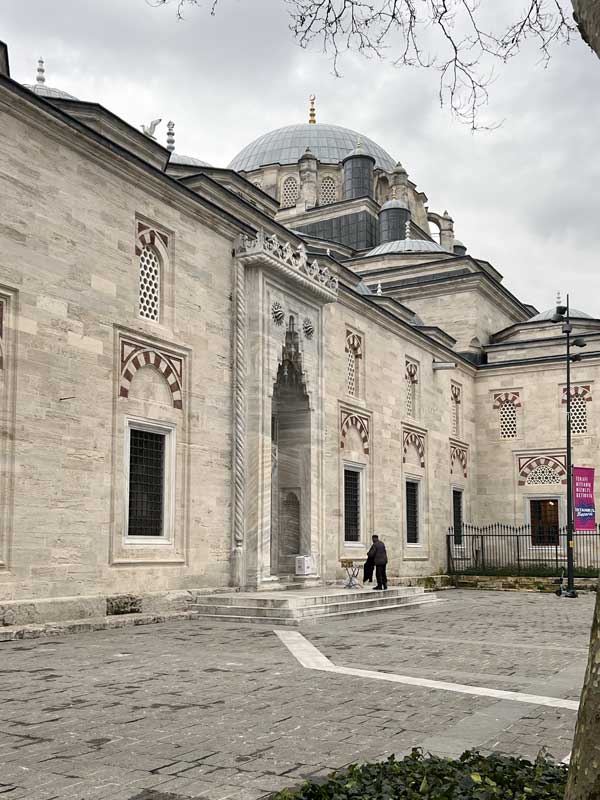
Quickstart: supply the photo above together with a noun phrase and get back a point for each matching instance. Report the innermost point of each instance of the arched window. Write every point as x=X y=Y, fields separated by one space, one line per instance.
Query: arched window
x=411 y=378
x=578 y=414
x=149 y=284
x=353 y=354
x=328 y=193
x=543 y=475
x=289 y=192
x=455 y=397
x=508 y=420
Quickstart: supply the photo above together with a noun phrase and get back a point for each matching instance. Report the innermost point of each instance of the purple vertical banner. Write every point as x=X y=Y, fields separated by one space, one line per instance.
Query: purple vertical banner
x=583 y=493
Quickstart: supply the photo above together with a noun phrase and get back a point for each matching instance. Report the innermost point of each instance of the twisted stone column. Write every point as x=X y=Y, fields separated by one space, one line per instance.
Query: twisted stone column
x=239 y=430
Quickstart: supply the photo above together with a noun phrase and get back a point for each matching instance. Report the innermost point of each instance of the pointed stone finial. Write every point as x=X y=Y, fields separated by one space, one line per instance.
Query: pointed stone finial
x=312 y=114
x=407 y=230
x=41 y=71
x=171 y=136
x=379 y=291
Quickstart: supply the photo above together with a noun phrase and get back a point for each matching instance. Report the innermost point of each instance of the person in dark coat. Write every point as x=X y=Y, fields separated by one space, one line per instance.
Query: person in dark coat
x=378 y=553
x=368 y=570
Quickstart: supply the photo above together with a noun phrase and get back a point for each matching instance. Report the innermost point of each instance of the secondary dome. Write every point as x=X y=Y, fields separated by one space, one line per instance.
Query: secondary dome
x=406 y=246
x=544 y=316
x=39 y=87
x=329 y=143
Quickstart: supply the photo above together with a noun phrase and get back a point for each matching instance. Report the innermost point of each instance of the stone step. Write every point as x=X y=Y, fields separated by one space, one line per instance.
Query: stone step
x=278 y=616
x=298 y=600
x=380 y=599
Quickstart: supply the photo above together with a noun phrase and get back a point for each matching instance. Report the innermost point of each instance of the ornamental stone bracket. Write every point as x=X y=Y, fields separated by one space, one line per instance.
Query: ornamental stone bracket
x=291 y=263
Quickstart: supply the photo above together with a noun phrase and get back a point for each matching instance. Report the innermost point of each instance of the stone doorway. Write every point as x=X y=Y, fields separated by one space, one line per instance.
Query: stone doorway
x=291 y=460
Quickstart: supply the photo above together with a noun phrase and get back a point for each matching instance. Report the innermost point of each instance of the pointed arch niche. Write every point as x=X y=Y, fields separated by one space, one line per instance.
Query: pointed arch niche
x=290 y=458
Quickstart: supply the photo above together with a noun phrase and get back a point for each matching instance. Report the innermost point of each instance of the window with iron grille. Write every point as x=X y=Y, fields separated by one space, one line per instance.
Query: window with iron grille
x=328 y=193
x=578 y=414
x=544 y=523
x=289 y=192
x=352 y=505
x=149 y=280
x=146 y=483
x=508 y=420
x=412 y=512
x=457 y=515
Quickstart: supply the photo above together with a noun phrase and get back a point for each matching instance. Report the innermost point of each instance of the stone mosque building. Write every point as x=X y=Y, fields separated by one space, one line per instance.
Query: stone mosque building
x=209 y=371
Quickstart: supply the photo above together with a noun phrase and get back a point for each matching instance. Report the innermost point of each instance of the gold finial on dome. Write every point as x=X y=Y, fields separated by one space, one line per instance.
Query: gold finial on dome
x=312 y=114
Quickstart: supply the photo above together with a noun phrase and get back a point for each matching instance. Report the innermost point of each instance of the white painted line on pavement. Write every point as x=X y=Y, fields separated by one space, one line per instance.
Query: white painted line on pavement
x=311 y=658
x=305 y=652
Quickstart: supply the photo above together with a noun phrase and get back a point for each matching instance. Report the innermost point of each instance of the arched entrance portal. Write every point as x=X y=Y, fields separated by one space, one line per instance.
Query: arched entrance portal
x=290 y=463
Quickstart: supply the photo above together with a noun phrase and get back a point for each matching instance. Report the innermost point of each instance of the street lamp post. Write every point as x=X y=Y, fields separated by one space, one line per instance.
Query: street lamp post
x=562 y=315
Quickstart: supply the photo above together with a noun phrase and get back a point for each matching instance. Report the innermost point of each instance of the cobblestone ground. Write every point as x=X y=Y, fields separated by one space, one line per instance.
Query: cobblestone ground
x=208 y=710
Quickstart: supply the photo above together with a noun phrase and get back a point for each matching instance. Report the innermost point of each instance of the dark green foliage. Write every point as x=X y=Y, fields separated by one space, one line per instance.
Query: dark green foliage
x=123 y=604
x=419 y=777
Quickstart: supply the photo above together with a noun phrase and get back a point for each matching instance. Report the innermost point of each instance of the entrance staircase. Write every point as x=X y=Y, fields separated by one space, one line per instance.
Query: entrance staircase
x=305 y=606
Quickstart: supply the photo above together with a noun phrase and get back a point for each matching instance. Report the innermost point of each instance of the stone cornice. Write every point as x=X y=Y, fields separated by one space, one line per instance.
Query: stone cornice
x=291 y=263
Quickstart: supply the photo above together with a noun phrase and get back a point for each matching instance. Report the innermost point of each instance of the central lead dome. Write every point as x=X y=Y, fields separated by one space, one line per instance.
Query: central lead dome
x=329 y=143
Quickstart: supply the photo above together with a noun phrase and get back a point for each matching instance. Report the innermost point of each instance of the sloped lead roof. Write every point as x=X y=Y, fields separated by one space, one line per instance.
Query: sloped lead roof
x=406 y=246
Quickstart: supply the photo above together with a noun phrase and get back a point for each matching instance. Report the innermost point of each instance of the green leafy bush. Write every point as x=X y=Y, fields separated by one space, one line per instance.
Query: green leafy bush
x=419 y=777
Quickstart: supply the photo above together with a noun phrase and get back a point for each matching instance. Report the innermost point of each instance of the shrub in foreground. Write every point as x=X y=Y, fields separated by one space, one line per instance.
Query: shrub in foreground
x=420 y=777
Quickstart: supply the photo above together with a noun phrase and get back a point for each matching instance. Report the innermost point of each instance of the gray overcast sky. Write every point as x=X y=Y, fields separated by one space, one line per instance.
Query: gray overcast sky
x=525 y=197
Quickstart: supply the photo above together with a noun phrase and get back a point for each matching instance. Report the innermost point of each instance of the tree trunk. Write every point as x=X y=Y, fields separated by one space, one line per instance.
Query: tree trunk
x=587 y=16
x=584 y=771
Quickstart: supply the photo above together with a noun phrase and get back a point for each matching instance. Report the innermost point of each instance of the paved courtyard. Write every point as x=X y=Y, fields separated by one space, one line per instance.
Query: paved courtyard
x=209 y=710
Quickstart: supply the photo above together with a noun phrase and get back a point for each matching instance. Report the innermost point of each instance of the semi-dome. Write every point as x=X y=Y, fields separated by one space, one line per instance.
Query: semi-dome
x=40 y=87
x=546 y=316
x=406 y=246
x=187 y=161
x=329 y=143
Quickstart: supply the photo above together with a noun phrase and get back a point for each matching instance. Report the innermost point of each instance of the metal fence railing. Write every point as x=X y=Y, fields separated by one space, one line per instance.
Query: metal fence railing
x=538 y=551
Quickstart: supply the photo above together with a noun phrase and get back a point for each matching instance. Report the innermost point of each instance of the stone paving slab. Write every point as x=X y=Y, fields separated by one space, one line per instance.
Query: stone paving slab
x=212 y=710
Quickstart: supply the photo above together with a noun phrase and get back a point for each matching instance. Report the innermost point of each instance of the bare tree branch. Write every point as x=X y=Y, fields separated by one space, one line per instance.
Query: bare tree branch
x=404 y=31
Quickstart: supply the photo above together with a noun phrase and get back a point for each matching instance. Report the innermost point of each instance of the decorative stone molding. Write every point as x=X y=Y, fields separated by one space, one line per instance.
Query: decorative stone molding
x=416 y=440
x=455 y=393
x=585 y=391
x=292 y=263
x=277 y=313
x=308 y=328
x=135 y=356
x=507 y=397
x=350 y=419
x=147 y=235
x=527 y=464
x=459 y=453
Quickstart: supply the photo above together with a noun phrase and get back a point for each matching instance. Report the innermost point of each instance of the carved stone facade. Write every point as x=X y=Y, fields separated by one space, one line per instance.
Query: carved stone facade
x=271 y=395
